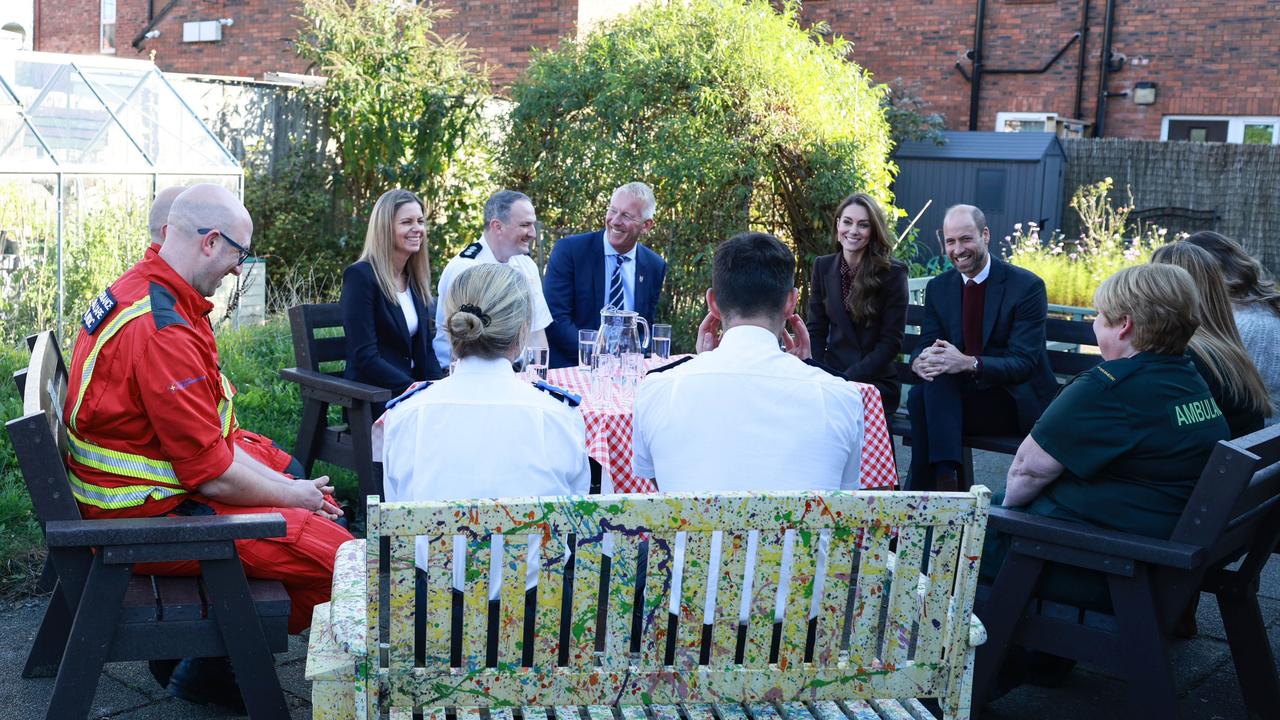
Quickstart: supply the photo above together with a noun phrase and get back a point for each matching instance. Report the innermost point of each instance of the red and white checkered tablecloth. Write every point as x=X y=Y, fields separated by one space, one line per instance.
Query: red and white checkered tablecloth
x=608 y=419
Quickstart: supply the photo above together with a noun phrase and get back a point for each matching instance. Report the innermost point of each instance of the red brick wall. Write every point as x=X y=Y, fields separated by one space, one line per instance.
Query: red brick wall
x=260 y=40
x=1208 y=57
x=504 y=31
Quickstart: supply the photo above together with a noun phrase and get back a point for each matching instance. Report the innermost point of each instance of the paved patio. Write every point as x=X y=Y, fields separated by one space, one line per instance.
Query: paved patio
x=1203 y=671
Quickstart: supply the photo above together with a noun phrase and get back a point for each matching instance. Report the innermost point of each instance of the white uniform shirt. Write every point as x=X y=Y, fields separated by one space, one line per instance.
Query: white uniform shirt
x=747 y=416
x=527 y=267
x=483 y=433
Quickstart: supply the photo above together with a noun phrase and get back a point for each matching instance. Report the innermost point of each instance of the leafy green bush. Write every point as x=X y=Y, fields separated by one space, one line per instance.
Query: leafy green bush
x=21 y=544
x=1073 y=269
x=736 y=115
x=404 y=108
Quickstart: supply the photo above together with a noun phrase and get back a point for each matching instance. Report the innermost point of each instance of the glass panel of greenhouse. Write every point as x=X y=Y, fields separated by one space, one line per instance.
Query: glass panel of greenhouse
x=85 y=143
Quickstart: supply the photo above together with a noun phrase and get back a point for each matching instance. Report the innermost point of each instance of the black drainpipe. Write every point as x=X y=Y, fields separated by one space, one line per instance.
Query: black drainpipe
x=1084 y=38
x=1100 y=117
x=975 y=89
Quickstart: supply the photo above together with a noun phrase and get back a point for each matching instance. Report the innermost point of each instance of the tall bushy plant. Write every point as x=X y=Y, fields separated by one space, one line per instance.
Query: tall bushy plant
x=404 y=107
x=735 y=114
x=1073 y=269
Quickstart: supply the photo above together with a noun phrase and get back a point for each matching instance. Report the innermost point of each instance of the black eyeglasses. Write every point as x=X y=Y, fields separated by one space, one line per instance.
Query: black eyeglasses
x=244 y=254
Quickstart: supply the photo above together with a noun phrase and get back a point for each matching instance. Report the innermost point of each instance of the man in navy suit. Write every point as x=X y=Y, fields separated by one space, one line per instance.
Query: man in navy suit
x=608 y=267
x=981 y=353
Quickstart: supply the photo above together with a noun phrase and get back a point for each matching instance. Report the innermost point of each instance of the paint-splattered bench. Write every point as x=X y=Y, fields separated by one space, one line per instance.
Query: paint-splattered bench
x=893 y=618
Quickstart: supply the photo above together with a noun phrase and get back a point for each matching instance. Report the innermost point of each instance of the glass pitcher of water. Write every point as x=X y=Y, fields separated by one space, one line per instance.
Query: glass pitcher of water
x=622 y=333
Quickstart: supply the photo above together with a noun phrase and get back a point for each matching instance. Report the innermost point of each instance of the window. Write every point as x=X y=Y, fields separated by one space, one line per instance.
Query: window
x=1025 y=122
x=107 y=26
x=1222 y=128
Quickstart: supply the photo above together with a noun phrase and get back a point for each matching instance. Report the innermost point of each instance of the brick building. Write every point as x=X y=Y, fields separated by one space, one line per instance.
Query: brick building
x=1210 y=64
x=255 y=37
x=1178 y=69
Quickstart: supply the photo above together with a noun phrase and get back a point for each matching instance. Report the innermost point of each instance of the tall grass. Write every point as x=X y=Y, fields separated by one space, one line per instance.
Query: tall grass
x=1073 y=268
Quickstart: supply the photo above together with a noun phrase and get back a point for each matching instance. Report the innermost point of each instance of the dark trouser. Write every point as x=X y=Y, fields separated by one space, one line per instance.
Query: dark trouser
x=945 y=410
x=294 y=467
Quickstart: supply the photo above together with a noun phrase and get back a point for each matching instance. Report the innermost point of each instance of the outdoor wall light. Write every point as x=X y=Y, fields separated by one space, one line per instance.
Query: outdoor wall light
x=151 y=34
x=1144 y=93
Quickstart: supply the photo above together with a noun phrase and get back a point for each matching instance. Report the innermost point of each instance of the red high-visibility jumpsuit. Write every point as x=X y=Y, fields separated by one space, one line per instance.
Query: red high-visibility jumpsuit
x=149 y=419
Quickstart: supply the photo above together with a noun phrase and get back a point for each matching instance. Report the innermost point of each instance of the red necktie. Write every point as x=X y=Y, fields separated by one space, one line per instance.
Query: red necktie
x=971 y=310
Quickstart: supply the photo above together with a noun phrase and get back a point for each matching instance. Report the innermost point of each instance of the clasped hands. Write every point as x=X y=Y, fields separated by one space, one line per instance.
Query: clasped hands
x=323 y=505
x=941 y=358
x=795 y=341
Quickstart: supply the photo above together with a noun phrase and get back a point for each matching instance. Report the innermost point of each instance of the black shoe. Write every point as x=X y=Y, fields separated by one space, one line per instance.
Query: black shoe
x=207 y=680
x=161 y=670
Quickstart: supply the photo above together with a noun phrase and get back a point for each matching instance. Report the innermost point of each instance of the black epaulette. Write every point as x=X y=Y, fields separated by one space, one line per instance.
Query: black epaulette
x=560 y=394
x=98 y=311
x=471 y=251
x=668 y=366
x=824 y=368
x=413 y=390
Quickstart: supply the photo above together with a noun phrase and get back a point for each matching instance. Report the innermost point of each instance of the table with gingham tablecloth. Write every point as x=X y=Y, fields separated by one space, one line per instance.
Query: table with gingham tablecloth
x=608 y=419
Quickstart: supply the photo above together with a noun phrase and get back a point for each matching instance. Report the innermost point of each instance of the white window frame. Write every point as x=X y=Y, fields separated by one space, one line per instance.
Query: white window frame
x=1235 y=125
x=1049 y=119
x=104 y=21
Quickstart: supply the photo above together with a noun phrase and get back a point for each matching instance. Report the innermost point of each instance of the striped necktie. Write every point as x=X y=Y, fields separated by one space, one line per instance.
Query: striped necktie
x=618 y=298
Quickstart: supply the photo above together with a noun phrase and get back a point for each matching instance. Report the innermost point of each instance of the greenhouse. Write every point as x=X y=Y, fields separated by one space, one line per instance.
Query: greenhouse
x=85 y=142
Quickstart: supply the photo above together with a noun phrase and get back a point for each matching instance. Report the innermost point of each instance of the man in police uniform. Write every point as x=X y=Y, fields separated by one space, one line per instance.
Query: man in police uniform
x=510 y=229
x=148 y=415
x=743 y=414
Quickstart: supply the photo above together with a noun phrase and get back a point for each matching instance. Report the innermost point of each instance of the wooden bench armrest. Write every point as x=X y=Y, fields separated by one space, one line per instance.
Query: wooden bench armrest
x=337 y=386
x=1100 y=541
x=348 y=616
x=162 y=530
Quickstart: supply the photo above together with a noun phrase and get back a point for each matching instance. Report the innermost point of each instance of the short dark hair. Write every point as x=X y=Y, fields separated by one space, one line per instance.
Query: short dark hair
x=752 y=274
x=499 y=205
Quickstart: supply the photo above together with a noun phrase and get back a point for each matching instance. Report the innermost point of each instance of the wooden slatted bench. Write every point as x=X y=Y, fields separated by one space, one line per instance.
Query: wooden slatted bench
x=100 y=611
x=893 y=624
x=1063 y=339
x=320 y=351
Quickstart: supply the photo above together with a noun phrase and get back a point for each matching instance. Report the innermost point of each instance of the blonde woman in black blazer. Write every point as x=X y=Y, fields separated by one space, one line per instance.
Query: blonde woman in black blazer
x=858 y=300
x=386 y=293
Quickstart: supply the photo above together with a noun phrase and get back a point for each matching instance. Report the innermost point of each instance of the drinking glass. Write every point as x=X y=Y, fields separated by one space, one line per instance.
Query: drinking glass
x=662 y=341
x=630 y=372
x=586 y=348
x=535 y=363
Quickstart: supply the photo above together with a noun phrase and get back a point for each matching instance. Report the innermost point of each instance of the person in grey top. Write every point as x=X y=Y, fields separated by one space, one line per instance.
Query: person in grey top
x=1255 y=304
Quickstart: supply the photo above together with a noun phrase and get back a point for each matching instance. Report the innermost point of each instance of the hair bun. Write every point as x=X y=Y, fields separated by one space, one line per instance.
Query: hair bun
x=465 y=326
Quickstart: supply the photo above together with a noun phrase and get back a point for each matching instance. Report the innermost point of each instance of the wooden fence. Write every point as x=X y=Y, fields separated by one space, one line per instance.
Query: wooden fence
x=1239 y=184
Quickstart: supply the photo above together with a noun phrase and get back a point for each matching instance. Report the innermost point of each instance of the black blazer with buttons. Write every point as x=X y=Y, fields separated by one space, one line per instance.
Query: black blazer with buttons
x=379 y=349
x=864 y=353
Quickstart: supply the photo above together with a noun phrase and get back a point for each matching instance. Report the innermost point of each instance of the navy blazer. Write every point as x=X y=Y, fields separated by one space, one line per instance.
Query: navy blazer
x=574 y=285
x=379 y=349
x=1013 y=353
x=859 y=352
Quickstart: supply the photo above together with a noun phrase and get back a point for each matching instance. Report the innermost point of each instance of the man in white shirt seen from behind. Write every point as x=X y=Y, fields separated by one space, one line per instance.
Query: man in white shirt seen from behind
x=510 y=229
x=744 y=414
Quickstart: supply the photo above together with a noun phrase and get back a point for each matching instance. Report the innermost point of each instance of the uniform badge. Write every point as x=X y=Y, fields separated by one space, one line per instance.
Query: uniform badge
x=560 y=394
x=98 y=311
x=413 y=390
x=471 y=251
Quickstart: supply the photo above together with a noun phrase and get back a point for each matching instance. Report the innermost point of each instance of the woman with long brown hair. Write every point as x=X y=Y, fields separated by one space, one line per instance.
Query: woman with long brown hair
x=858 y=300
x=1215 y=347
x=1255 y=305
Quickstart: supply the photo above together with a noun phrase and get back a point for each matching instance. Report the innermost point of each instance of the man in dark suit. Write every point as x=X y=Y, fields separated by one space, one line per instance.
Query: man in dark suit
x=981 y=353
x=608 y=267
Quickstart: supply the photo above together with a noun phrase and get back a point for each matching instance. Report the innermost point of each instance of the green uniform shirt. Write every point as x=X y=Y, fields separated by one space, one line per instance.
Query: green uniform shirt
x=1133 y=435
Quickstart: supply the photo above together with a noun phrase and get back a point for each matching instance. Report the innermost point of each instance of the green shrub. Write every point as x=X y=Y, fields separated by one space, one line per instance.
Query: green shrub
x=404 y=109
x=1073 y=269
x=21 y=544
x=736 y=115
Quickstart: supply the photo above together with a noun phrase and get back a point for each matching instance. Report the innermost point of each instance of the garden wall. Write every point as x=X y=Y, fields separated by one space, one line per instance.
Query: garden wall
x=1240 y=183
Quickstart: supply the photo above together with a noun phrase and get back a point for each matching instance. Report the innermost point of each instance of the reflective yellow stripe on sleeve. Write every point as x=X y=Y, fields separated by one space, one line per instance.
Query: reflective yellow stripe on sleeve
x=134 y=311
x=121 y=463
x=226 y=406
x=120 y=497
